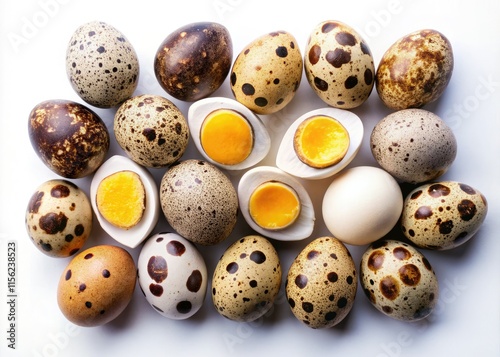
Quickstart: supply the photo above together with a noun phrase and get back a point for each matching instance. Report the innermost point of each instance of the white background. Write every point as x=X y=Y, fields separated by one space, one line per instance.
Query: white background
x=466 y=321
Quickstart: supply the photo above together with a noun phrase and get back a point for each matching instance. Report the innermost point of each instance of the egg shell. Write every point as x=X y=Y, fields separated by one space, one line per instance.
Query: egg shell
x=361 y=205
x=321 y=283
x=172 y=275
x=398 y=280
x=413 y=145
x=267 y=72
x=70 y=139
x=415 y=70
x=247 y=279
x=97 y=285
x=59 y=218
x=194 y=60
x=443 y=215
x=101 y=65
x=339 y=65
x=152 y=130
x=199 y=201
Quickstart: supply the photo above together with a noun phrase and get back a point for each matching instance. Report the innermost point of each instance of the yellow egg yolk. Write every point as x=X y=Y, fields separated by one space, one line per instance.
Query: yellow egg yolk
x=226 y=137
x=321 y=141
x=121 y=199
x=274 y=205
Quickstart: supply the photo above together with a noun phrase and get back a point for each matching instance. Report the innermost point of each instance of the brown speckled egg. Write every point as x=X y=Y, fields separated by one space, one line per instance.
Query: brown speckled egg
x=69 y=138
x=398 y=280
x=339 y=65
x=321 y=283
x=415 y=70
x=247 y=279
x=267 y=73
x=152 y=130
x=443 y=215
x=58 y=218
x=194 y=60
x=413 y=145
x=97 y=285
x=101 y=65
x=199 y=202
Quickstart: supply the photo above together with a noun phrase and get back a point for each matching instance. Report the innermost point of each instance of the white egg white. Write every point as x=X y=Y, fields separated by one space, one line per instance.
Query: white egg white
x=288 y=161
x=134 y=236
x=200 y=109
x=303 y=226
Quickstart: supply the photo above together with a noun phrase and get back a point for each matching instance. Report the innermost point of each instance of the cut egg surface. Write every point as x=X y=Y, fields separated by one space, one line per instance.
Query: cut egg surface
x=320 y=143
x=227 y=133
x=125 y=198
x=275 y=204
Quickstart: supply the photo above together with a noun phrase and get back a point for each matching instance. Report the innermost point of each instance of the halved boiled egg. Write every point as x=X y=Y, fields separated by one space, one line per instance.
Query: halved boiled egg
x=125 y=199
x=227 y=133
x=275 y=204
x=320 y=143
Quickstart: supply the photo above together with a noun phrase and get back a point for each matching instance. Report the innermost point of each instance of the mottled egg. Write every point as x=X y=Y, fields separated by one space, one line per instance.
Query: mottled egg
x=398 y=280
x=68 y=137
x=415 y=70
x=267 y=72
x=172 y=275
x=443 y=215
x=321 y=283
x=194 y=60
x=247 y=279
x=413 y=145
x=199 y=201
x=152 y=130
x=339 y=65
x=59 y=218
x=101 y=65
x=97 y=285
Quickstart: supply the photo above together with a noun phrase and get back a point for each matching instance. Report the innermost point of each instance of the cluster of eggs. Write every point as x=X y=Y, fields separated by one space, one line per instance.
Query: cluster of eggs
x=201 y=204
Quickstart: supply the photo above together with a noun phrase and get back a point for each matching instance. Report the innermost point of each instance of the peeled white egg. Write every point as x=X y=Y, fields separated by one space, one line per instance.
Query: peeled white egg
x=275 y=204
x=133 y=236
x=288 y=160
x=227 y=133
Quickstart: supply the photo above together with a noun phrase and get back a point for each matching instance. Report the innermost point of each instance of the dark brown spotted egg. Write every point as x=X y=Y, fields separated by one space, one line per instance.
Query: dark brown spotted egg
x=247 y=279
x=398 y=280
x=59 y=218
x=68 y=137
x=101 y=65
x=321 y=283
x=443 y=215
x=415 y=70
x=152 y=130
x=172 y=275
x=339 y=65
x=97 y=285
x=267 y=73
x=199 y=201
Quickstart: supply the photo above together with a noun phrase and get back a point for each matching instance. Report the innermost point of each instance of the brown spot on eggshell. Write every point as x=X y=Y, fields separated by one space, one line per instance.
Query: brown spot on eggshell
x=157 y=268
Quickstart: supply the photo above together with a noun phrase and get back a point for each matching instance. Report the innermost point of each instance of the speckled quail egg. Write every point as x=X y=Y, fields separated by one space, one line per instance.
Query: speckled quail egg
x=227 y=133
x=199 y=201
x=398 y=280
x=125 y=200
x=339 y=65
x=247 y=279
x=415 y=70
x=443 y=215
x=275 y=204
x=172 y=275
x=152 y=130
x=413 y=145
x=59 y=218
x=321 y=283
x=267 y=72
x=320 y=143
